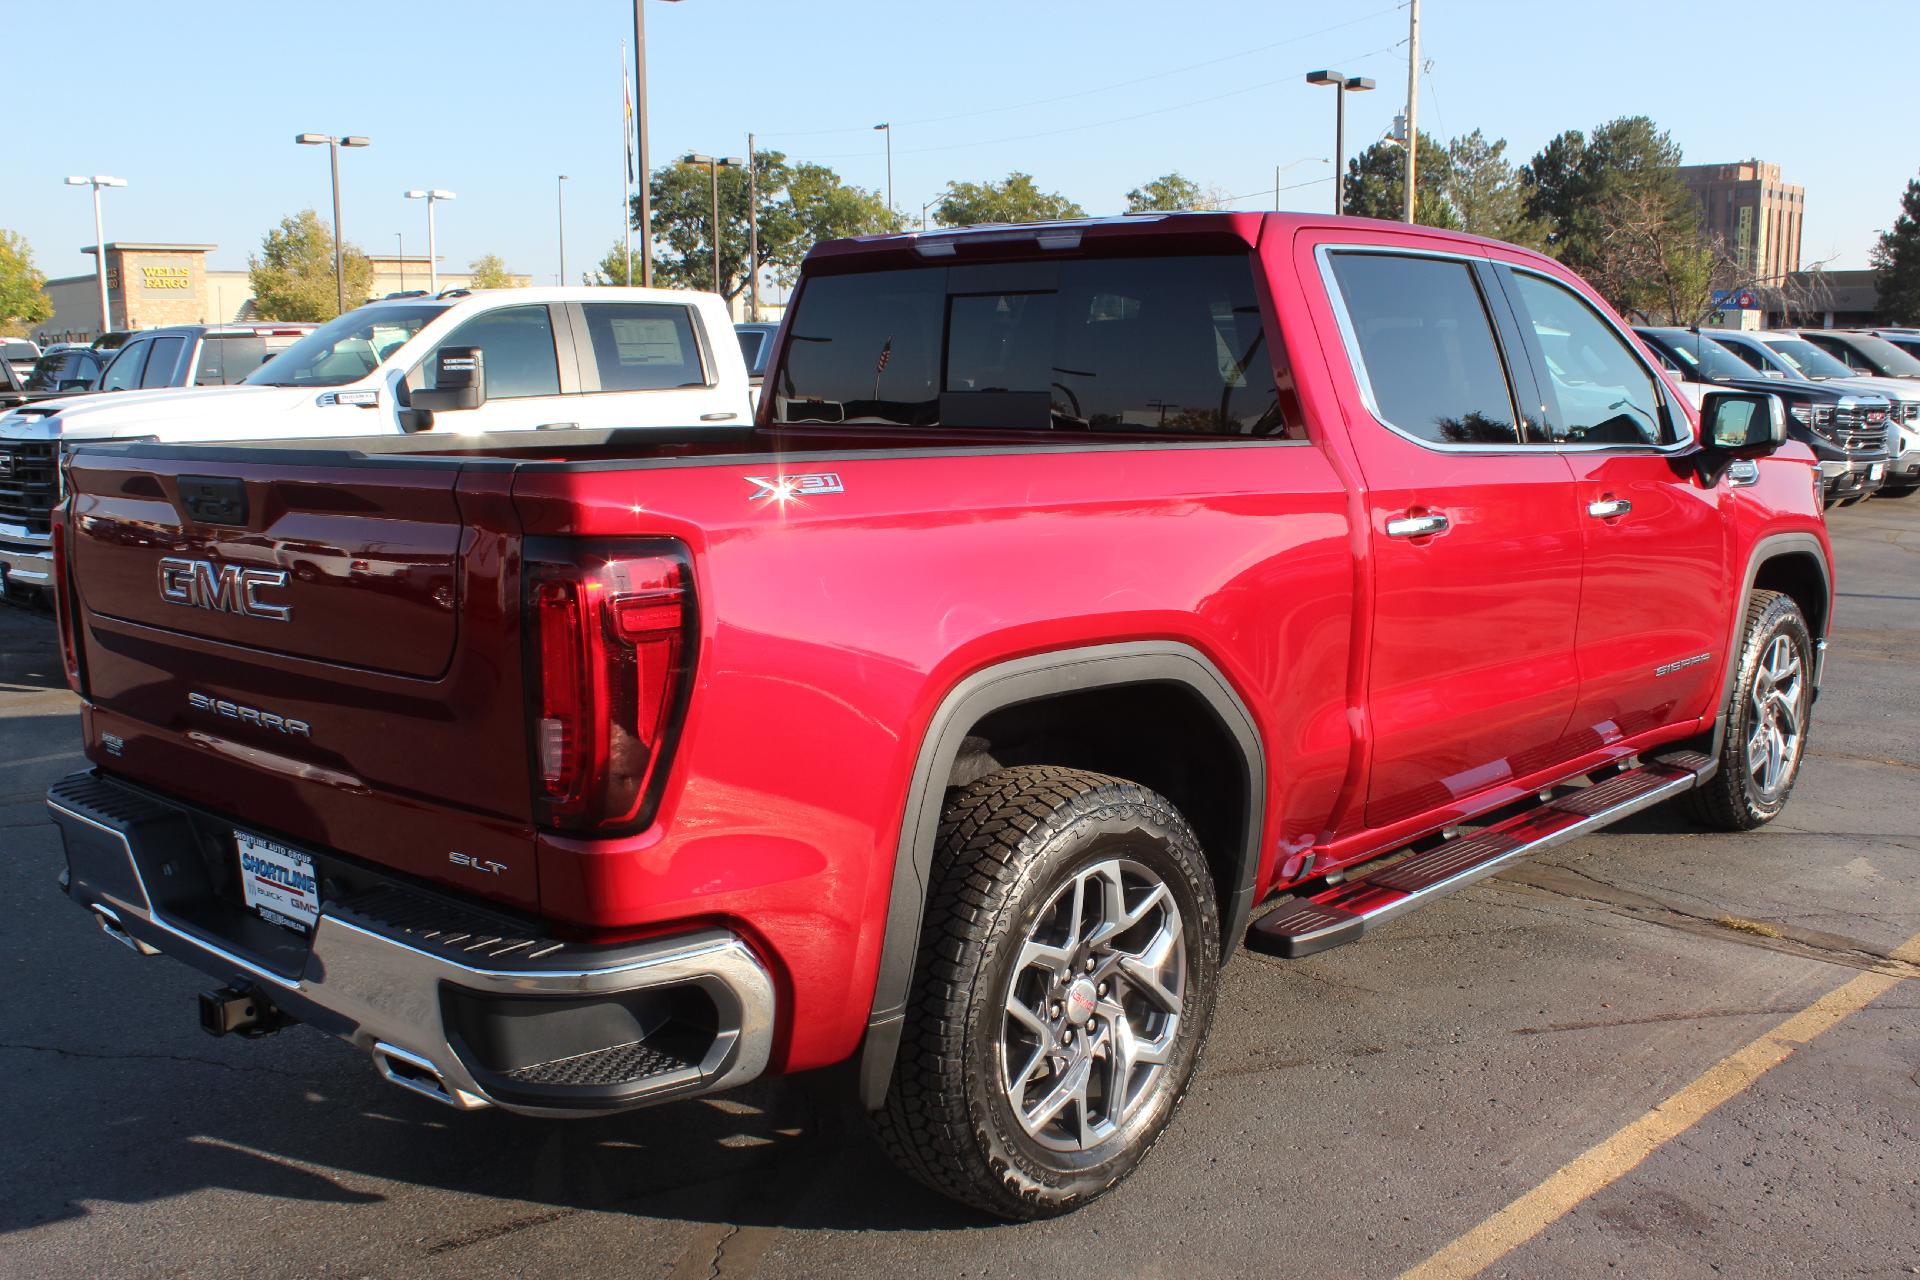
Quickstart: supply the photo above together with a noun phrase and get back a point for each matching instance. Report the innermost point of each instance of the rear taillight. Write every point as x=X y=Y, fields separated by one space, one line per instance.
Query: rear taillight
x=66 y=611
x=609 y=630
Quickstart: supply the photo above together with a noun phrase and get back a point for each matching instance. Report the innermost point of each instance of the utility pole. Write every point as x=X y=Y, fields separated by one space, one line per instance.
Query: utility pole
x=1413 y=103
x=753 y=235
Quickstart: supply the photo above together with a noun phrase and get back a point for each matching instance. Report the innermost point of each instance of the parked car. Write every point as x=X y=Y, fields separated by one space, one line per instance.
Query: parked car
x=20 y=353
x=67 y=370
x=12 y=391
x=1851 y=435
x=756 y=348
x=535 y=358
x=1079 y=586
x=1787 y=355
x=1908 y=340
x=1864 y=353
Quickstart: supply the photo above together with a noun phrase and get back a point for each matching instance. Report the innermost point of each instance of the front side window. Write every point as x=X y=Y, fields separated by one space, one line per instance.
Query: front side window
x=124 y=373
x=161 y=363
x=1133 y=345
x=516 y=349
x=1806 y=359
x=1598 y=390
x=643 y=346
x=1428 y=348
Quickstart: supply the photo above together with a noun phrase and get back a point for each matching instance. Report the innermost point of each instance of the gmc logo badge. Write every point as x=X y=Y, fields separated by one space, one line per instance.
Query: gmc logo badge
x=223 y=588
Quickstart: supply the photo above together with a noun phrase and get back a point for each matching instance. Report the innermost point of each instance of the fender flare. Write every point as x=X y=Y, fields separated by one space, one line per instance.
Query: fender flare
x=1008 y=684
x=1768 y=548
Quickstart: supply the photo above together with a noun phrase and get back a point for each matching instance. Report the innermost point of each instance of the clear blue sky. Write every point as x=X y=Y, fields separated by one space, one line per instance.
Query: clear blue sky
x=492 y=100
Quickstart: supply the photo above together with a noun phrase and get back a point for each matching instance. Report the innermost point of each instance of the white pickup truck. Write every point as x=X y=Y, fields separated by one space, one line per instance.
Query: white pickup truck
x=526 y=359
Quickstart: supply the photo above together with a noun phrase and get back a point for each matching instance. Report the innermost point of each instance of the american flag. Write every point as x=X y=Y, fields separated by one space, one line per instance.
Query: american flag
x=886 y=354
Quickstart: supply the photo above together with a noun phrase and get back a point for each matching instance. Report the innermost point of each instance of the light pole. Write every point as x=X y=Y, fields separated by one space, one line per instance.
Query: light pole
x=400 y=256
x=433 y=195
x=1343 y=85
x=753 y=234
x=1282 y=168
x=561 y=188
x=333 y=146
x=640 y=124
x=714 y=165
x=928 y=205
x=888 y=130
x=98 y=181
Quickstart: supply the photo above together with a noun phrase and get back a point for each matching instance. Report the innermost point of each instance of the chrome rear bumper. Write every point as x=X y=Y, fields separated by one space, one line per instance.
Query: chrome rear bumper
x=445 y=1009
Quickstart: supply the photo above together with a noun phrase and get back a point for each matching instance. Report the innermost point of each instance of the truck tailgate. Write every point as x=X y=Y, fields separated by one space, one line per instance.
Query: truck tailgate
x=322 y=645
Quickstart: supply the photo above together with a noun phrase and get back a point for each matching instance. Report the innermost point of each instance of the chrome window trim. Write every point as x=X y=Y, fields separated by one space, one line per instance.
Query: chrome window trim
x=1357 y=364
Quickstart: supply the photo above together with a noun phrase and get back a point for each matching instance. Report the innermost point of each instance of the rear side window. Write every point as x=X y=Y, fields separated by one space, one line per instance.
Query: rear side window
x=516 y=348
x=1428 y=347
x=224 y=361
x=124 y=373
x=644 y=346
x=752 y=347
x=161 y=363
x=1133 y=345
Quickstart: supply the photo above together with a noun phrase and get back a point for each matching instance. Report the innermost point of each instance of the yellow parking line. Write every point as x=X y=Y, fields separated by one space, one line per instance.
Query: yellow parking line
x=1618 y=1155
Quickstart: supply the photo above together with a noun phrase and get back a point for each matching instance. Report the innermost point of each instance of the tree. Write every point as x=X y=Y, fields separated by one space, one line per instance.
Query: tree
x=23 y=295
x=800 y=205
x=1016 y=199
x=1896 y=261
x=488 y=272
x=1172 y=193
x=1486 y=194
x=1615 y=209
x=1376 y=183
x=293 y=274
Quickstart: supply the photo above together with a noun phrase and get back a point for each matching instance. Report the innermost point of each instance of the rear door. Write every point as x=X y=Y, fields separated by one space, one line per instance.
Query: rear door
x=1475 y=545
x=1653 y=602
x=318 y=647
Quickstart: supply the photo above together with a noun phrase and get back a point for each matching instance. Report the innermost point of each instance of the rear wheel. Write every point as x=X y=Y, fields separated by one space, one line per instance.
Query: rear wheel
x=1767 y=720
x=1064 y=984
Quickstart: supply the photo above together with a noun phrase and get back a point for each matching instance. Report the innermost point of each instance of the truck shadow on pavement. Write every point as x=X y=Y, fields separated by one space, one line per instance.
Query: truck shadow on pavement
x=29 y=650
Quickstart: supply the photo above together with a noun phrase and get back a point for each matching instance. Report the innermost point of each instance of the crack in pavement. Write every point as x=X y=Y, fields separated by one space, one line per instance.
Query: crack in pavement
x=98 y=1056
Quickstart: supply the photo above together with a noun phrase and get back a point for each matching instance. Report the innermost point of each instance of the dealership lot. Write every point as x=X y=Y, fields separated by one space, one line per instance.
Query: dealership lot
x=1355 y=1112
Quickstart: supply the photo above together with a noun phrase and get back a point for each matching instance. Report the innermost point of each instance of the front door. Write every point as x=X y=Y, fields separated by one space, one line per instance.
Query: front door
x=1652 y=609
x=1475 y=543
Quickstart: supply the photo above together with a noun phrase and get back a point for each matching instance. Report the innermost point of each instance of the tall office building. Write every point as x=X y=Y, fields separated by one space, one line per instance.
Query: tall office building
x=1752 y=213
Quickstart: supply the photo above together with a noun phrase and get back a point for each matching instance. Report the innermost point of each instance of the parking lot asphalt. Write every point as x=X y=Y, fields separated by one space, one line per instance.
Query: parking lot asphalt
x=1557 y=1072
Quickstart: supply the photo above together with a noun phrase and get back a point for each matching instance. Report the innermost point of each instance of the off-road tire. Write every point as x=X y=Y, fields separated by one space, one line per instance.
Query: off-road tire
x=1007 y=843
x=1729 y=800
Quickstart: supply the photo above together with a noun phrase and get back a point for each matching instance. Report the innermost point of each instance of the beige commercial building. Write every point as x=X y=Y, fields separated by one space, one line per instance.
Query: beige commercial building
x=1750 y=211
x=149 y=285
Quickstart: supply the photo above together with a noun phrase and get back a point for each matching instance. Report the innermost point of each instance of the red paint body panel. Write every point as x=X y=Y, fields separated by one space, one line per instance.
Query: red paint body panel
x=1396 y=686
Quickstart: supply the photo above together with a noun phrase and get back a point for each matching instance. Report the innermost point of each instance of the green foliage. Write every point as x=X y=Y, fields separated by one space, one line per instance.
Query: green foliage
x=1485 y=192
x=488 y=271
x=293 y=274
x=1376 y=183
x=800 y=205
x=1171 y=193
x=1615 y=209
x=1015 y=199
x=1896 y=261
x=23 y=296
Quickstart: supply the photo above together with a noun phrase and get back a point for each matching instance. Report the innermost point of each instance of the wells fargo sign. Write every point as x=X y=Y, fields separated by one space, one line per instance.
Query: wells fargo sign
x=166 y=277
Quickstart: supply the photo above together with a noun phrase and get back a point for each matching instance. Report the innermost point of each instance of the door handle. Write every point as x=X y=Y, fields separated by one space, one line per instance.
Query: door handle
x=1419 y=526
x=1608 y=508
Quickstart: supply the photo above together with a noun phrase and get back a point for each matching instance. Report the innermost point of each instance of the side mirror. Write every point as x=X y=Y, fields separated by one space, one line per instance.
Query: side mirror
x=459 y=381
x=1742 y=424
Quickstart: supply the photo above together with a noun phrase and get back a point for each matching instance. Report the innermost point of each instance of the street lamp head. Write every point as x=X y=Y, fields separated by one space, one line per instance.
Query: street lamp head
x=416 y=195
x=695 y=158
x=438 y=194
x=731 y=162
x=888 y=126
x=355 y=141
x=105 y=181
x=1359 y=84
x=76 y=182
x=1326 y=77
x=313 y=139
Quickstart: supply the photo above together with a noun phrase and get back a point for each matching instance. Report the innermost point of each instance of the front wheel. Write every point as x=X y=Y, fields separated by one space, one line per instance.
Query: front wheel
x=1064 y=984
x=1767 y=720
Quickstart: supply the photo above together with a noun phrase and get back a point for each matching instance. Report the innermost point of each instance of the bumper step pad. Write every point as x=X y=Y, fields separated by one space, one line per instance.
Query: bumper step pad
x=1341 y=913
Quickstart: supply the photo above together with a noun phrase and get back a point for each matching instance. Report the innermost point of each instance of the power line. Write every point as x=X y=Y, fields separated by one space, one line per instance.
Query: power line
x=1105 y=88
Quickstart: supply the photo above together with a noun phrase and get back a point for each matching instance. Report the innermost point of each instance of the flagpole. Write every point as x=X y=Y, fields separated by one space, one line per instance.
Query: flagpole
x=626 y=184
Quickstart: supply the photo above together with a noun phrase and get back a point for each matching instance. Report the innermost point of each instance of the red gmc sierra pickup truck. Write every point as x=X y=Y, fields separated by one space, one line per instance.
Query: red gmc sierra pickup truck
x=1086 y=599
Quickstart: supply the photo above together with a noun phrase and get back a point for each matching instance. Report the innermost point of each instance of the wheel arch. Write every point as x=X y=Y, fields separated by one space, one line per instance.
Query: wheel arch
x=1022 y=701
x=1794 y=564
